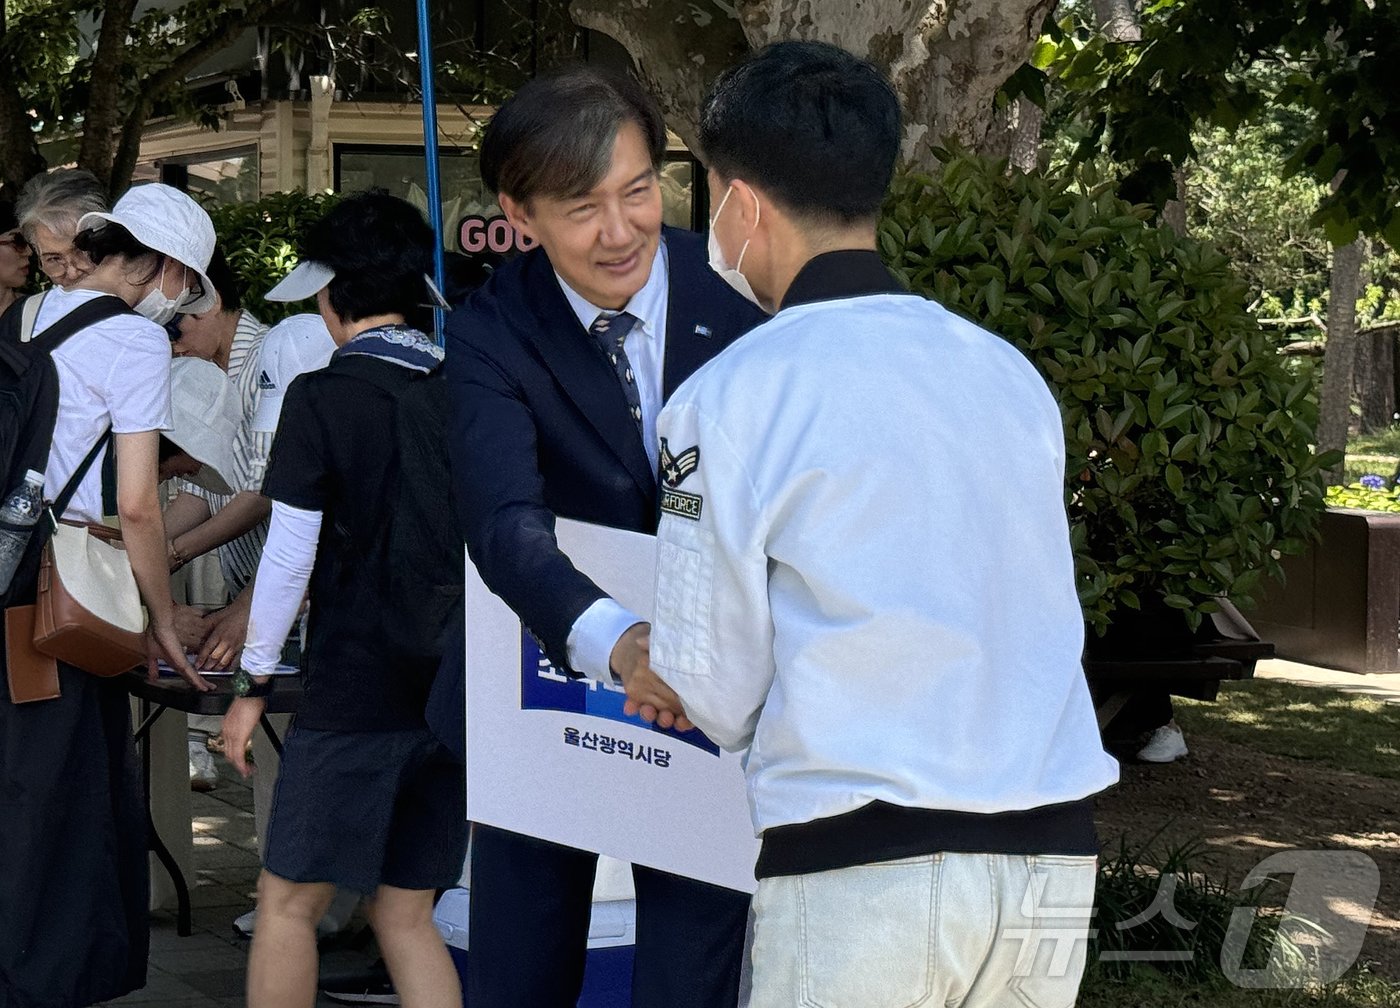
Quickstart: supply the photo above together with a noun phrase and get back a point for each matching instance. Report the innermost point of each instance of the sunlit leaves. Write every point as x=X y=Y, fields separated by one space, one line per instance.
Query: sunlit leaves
x=1189 y=459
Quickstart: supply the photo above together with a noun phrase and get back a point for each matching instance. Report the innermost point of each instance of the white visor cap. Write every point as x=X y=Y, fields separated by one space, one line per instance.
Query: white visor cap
x=306 y=280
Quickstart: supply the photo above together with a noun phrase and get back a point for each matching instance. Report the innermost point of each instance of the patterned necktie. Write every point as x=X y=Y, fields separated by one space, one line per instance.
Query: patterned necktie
x=610 y=330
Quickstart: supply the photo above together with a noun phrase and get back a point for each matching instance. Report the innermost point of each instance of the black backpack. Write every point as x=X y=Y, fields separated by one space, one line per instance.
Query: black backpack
x=419 y=557
x=29 y=406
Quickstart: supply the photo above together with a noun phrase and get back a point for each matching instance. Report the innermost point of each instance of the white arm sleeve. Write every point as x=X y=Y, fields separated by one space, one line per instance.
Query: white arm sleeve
x=283 y=574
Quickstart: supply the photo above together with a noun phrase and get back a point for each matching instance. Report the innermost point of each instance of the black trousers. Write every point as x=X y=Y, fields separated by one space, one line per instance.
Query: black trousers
x=530 y=905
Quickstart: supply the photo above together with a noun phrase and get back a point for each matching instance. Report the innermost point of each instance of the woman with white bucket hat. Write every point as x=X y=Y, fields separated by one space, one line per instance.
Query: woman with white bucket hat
x=73 y=912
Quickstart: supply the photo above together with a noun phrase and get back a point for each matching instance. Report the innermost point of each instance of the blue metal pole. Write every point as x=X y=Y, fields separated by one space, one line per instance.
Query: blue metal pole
x=430 y=152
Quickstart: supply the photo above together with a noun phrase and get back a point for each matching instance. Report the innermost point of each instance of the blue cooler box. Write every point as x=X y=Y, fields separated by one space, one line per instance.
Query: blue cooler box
x=612 y=935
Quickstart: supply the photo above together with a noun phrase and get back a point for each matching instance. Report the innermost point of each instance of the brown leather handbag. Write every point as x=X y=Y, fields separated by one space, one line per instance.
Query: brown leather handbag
x=88 y=610
x=31 y=675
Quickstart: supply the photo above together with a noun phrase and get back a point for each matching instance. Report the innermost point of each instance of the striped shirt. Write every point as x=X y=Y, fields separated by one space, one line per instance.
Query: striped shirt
x=238 y=559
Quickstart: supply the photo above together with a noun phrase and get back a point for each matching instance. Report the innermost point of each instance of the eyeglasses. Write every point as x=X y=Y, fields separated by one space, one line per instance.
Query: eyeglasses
x=17 y=242
x=61 y=262
x=196 y=292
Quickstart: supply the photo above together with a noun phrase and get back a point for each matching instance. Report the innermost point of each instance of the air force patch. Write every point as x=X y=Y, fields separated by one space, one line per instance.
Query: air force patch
x=674 y=470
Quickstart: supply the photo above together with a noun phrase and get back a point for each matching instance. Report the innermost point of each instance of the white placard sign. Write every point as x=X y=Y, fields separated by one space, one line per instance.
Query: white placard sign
x=555 y=758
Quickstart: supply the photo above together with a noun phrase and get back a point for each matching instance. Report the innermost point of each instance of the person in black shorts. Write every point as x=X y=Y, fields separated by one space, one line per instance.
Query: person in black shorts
x=367 y=800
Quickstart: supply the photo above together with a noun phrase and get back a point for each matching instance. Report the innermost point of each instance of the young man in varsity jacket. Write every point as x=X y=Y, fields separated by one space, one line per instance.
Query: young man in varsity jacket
x=847 y=590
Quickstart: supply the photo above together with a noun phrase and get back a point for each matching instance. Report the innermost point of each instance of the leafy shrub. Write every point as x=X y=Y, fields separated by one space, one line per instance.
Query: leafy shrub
x=260 y=241
x=1365 y=497
x=1159 y=907
x=1190 y=466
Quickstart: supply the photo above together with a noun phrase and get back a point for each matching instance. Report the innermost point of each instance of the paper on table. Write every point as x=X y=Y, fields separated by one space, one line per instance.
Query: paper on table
x=554 y=757
x=167 y=670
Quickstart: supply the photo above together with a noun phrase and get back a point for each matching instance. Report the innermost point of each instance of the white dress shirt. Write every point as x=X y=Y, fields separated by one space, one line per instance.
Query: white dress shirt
x=598 y=628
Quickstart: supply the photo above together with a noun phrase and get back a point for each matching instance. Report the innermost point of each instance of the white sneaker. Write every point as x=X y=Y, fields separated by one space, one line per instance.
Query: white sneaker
x=336 y=919
x=243 y=923
x=203 y=774
x=1166 y=745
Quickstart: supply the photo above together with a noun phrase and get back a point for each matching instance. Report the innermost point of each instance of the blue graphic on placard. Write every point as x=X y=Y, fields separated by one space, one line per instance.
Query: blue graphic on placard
x=544 y=687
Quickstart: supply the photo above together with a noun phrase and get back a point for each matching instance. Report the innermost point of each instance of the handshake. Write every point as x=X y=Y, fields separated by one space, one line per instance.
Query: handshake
x=647 y=695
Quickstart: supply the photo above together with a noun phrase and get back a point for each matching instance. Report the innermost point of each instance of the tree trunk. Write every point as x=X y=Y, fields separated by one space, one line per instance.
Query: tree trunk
x=19 y=149
x=103 y=117
x=127 y=152
x=678 y=50
x=1375 y=378
x=1016 y=135
x=1334 y=419
x=1174 y=213
x=946 y=58
x=1118 y=20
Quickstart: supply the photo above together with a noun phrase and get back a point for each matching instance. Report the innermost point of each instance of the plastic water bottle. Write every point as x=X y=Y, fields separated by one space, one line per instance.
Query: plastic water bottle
x=18 y=516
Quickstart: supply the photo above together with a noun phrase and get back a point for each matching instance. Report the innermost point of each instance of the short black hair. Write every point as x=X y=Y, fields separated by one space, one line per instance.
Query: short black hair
x=168 y=450
x=108 y=239
x=225 y=281
x=8 y=220
x=380 y=248
x=809 y=123
x=554 y=137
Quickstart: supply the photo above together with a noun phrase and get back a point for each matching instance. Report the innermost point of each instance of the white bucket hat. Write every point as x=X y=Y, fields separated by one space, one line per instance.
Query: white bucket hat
x=163 y=218
x=205 y=417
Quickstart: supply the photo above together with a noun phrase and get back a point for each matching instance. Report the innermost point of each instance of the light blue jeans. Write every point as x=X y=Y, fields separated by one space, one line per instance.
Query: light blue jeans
x=971 y=930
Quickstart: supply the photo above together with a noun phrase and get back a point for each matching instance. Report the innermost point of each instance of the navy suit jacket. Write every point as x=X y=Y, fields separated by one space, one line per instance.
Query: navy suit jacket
x=540 y=428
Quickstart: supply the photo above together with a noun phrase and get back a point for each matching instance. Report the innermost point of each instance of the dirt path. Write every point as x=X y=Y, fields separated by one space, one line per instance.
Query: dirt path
x=1246 y=805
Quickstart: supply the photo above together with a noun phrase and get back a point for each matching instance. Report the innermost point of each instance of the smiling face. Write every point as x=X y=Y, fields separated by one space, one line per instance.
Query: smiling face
x=603 y=242
x=61 y=262
x=14 y=260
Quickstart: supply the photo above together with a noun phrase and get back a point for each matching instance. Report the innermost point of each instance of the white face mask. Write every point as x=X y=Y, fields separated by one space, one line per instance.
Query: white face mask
x=730 y=274
x=155 y=305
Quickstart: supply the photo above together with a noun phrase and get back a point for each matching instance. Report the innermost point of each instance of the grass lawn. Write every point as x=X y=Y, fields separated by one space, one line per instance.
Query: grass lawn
x=1386 y=442
x=1341 y=729
x=1147 y=989
x=1372 y=453
x=1335 y=729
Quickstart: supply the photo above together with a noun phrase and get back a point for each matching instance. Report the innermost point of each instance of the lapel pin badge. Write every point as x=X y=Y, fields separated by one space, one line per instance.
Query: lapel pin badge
x=703 y=331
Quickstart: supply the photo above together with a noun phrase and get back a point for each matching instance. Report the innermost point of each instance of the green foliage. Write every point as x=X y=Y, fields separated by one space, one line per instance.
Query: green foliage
x=260 y=242
x=1190 y=467
x=1135 y=888
x=1364 y=498
x=1260 y=218
x=1332 y=64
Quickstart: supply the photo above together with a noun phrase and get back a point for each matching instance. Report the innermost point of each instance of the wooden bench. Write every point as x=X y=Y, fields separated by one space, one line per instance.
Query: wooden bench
x=1198 y=678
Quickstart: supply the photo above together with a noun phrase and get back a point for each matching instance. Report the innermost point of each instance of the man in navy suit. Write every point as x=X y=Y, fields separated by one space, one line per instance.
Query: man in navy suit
x=559 y=366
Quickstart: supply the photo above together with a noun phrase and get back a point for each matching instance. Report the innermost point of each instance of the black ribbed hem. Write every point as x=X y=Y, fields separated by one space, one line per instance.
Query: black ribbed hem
x=884 y=832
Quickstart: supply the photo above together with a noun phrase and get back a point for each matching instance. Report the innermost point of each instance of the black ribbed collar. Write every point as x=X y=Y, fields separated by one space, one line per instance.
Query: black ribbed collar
x=844 y=274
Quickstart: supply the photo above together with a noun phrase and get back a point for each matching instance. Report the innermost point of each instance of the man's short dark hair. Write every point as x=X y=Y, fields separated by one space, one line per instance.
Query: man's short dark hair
x=225 y=281
x=380 y=248
x=554 y=137
x=808 y=122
